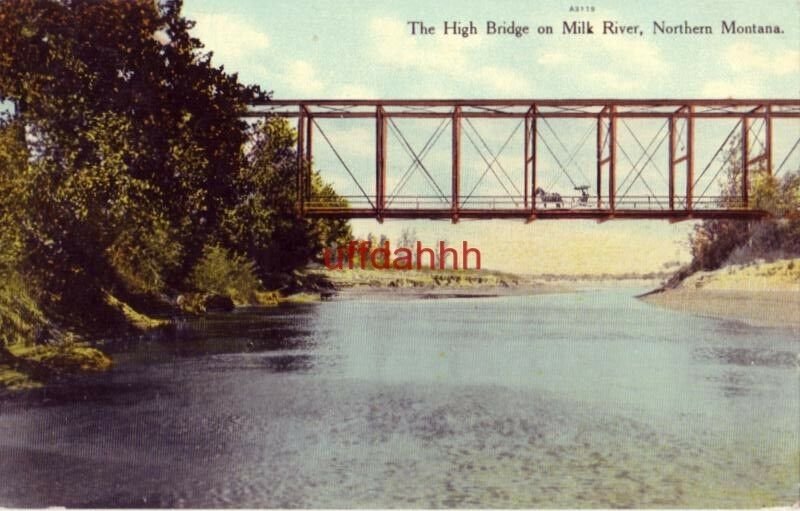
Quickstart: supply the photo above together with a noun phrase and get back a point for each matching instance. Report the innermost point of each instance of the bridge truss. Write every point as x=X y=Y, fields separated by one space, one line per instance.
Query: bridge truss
x=623 y=166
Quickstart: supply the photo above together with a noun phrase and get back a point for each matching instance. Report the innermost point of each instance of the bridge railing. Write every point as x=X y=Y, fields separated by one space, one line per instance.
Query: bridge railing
x=506 y=202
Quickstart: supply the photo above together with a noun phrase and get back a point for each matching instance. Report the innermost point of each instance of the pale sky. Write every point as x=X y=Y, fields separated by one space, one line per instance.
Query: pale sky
x=338 y=50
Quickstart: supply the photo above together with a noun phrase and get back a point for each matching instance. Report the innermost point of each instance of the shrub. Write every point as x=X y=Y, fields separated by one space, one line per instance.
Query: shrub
x=222 y=272
x=715 y=243
x=20 y=316
x=142 y=257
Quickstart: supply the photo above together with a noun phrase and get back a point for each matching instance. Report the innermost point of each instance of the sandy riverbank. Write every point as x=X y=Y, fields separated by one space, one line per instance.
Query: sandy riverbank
x=766 y=294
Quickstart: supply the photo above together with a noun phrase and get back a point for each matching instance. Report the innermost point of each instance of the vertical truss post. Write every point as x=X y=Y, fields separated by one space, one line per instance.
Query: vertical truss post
x=689 y=157
x=599 y=159
x=612 y=155
x=768 y=138
x=301 y=165
x=456 y=163
x=745 y=158
x=534 y=135
x=380 y=161
x=671 y=170
x=309 y=150
x=527 y=157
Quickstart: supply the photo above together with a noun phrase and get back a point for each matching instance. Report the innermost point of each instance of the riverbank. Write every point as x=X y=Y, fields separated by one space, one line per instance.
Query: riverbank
x=761 y=294
x=35 y=349
x=27 y=367
x=24 y=368
x=368 y=278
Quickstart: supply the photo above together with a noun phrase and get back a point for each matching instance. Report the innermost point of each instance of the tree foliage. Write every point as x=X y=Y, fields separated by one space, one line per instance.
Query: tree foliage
x=127 y=154
x=264 y=223
x=220 y=271
x=714 y=243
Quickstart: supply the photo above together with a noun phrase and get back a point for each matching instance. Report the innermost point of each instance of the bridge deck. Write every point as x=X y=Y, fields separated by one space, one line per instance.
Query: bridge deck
x=539 y=214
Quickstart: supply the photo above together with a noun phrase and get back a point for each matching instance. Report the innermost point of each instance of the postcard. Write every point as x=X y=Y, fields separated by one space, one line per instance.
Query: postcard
x=378 y=254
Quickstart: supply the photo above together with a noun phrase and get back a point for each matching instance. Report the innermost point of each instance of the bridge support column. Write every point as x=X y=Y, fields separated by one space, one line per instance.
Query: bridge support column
x=768 y=138
x=301 y=164
x=527 y=159
x=671 y=156
x=456 y=163
x=380 y=162
x=745 y=159
x=309 y=152
x=612 y=158
x=531 y=134
x=689 y=158
x=599 y=161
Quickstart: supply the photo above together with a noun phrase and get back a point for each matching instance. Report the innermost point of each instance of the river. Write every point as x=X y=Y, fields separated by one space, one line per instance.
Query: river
x=580 y=399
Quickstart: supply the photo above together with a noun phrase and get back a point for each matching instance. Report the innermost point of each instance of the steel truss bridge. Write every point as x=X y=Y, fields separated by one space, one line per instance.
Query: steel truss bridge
x=685 y=191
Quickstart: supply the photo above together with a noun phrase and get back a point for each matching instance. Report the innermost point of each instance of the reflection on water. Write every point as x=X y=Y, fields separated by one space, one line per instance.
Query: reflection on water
x=748 y=356
x=734 y=383
x=572 y=400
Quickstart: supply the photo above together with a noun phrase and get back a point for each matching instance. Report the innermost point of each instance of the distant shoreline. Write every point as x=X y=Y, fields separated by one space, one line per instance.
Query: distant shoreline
x=349 y=284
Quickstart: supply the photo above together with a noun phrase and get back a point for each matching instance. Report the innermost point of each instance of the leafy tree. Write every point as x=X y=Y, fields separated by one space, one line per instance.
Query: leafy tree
x=74 y=65
x=13 y=190
x=127 y=154
x=222 y=272
x=713 y=243
x=265 y=223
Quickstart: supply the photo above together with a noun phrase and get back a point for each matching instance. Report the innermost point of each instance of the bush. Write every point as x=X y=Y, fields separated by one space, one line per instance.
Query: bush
x=264 y=222
x=143 y=257
x=220 y=271
x=20 y=316
x=715 y=243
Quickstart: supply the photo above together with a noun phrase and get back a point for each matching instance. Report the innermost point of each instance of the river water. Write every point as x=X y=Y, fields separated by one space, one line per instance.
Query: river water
x=574 y=399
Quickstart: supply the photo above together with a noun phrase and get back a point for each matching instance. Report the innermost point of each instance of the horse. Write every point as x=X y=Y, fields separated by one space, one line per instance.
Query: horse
x=549 y=197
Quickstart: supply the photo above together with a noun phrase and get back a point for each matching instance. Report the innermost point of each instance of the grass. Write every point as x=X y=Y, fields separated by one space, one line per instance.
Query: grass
x=418 y=278
x=136 y=319
x=32 y=366
x=13 y=379
x=20 y=315
x=34 y=349
x=66 y=357
x=267 y=298
x=301 y=298
x=782 y=275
